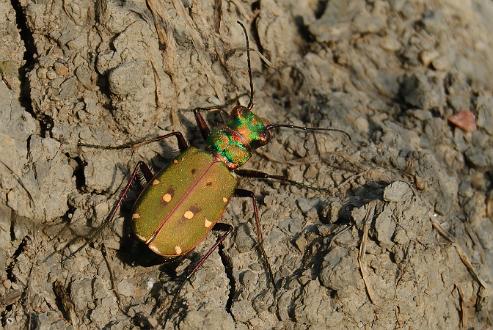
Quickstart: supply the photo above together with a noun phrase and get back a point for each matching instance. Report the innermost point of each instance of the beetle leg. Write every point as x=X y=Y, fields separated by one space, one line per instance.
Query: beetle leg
x=224 y=227
x=147 y=173
x=227 y=229
x=182 y=142
x=250 y=194
x=202 y=124
x=262 y=175
x=145 y=170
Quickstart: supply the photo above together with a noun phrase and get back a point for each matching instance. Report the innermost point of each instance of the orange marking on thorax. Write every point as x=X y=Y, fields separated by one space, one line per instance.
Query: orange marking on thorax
x=239 y=136
x=243 y=132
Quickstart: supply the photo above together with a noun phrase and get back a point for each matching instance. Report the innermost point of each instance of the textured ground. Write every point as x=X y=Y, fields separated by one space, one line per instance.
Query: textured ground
x=399 y=236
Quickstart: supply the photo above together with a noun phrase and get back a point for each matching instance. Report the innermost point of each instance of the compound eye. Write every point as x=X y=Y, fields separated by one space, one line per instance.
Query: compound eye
x=239 y=111
x=264 y=137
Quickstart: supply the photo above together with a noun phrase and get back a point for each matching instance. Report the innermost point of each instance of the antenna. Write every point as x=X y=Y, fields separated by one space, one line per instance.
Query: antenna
x=250 y=104
x=272 y=126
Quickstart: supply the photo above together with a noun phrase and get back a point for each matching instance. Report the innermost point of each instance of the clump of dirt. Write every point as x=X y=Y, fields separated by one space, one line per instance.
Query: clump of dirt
x=391 y=228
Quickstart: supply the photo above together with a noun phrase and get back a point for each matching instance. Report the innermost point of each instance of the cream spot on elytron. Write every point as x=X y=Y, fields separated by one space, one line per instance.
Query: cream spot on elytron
x=178 y=250
x=175 y=161
x=142 y=238
x=135 y=216
x=207 y=223
x=225 y=200
x=155 y=182
x=167 y=197
x=154 y=249
x=188 y=215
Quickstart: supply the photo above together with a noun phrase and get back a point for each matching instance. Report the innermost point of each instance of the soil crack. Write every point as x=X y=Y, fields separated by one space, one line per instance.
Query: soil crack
x=228 y=268
x=29 y=56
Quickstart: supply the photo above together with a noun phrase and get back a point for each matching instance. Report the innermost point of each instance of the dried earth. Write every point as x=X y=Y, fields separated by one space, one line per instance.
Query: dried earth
x=398 y=235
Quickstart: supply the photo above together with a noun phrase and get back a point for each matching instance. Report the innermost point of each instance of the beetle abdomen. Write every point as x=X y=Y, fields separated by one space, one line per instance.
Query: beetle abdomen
x=183 y=202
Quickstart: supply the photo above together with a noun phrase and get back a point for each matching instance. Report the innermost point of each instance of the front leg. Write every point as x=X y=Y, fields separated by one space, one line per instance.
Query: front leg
x=202 y=124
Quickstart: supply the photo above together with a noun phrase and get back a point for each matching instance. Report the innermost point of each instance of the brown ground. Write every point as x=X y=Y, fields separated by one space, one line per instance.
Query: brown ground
x=400 y=235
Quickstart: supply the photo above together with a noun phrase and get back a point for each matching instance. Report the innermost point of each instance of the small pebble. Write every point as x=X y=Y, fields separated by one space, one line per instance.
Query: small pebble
x=485 y=114
x=400 y=237
x=427 y=56
x=390 y=44
x=101 y=209
x=7 y=284
x=385 y=227
x=244 y=242
x=306 y=204
x=489 y=206
x=441 y=63
x=150 y=283
x=152 y=322
x=51 y=74
x=396 y=192
x=41 y=73
x=362 y=124
x=465 y=120
x=125 y=288
x=301 y=243
x=420 y=183
x=60 y=69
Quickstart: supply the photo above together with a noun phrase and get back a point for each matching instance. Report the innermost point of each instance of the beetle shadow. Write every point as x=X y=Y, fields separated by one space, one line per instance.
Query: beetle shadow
x=358 y=197
x=213 y=120
x=134 y=252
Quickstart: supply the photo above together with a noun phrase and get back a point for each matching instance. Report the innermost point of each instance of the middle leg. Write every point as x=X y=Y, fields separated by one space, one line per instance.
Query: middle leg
x=202 y=124
x=258 y=230
x=262 y=175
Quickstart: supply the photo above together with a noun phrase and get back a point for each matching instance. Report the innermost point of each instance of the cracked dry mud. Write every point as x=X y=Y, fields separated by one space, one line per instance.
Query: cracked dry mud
x=400 y=235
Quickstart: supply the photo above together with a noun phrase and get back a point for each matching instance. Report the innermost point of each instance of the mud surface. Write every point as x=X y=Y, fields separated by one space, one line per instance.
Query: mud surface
x=399 y=235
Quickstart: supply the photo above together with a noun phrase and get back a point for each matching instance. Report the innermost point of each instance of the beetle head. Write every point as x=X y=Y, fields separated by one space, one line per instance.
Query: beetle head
x=251 y=127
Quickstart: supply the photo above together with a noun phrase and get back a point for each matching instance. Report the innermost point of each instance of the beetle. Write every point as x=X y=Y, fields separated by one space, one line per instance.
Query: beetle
x=182 y=203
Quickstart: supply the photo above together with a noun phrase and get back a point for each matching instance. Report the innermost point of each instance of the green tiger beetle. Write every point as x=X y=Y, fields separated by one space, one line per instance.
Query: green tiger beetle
x=182 y=203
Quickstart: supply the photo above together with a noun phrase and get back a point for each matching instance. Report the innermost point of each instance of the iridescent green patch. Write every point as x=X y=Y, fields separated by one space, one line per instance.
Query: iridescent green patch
x=222 y=142
x=244 y=132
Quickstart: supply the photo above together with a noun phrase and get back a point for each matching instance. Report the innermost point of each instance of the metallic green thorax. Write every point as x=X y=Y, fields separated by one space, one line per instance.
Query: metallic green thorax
x=244 y=132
